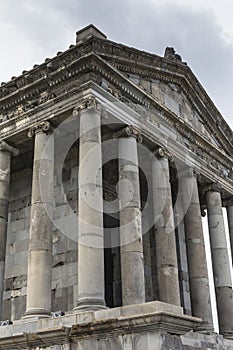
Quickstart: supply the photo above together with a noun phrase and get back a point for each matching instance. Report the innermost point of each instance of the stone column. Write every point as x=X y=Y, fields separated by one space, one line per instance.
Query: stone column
x=147 y=257
x=220 y=260
x=229 y=206
x=6 y=152
x=40 y=237
x=132 y=262
x=91 y=287
x=166 y=255
x=197 y=264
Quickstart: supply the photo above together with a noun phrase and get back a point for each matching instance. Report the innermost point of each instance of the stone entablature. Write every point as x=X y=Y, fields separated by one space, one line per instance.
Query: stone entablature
x=213 y=162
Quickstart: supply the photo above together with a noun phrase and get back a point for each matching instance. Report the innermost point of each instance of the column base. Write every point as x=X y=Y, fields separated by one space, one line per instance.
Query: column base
x=90 y=304
x=228 y=335
x=37 y=313
x=205 y=328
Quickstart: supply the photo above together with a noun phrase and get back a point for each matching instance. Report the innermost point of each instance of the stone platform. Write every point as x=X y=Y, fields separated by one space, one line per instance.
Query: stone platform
x=148 y=326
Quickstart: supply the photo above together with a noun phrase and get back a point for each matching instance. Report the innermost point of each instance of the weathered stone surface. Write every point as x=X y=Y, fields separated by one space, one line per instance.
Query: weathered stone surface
x=5 y=166
x=230 y=224
x=221 y=266
x=166 y=255
x=132 y=261
x=90 y=225
x=40 y=237
x=198 y=274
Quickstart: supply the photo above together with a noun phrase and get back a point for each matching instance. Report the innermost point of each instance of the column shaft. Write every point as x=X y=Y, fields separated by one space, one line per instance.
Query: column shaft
x=40 y=237
x=220 y=260
x=197 y=264
x=230 y=226
x=90 y=238
x=147 y=258
x=166 y=255
x=132 y=263
x=182 y=255
x=5 y=165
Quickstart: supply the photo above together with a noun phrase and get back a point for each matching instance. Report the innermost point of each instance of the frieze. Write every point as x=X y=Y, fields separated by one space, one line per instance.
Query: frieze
x=196 y=143
x=42 y=97
x=222 y=163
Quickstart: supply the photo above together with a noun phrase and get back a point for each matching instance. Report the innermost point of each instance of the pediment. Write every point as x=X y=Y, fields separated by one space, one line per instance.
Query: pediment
x=174 y=86
x=198 y=114
x=172 y=97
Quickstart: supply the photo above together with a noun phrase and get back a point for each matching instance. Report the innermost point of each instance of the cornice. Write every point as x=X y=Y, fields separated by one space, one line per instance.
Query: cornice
x=36 y=87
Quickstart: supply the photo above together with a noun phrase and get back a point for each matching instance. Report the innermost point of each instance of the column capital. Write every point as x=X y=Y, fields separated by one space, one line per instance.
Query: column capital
x=203 y=213
x=7 y=148
x=37 y=128
x=214 y=187
x=228 y=202
x=129 y=131
x=163 y=152
x=87 y=102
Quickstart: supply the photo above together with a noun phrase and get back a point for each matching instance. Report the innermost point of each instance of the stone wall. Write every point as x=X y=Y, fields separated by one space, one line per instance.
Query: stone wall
x=174 y=99
x=14 y=303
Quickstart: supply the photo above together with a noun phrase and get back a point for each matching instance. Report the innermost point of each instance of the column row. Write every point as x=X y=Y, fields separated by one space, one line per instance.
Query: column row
x=91 y=289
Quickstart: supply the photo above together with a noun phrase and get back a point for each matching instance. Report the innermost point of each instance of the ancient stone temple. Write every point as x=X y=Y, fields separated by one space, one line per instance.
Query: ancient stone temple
x=109 y=158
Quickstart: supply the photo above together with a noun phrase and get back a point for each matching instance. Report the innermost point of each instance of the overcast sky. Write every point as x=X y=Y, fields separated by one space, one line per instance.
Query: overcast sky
x=200 y=31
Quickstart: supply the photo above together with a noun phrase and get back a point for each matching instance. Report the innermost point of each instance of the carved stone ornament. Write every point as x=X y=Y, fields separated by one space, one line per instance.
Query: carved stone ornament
x=170 y=54
x=129 y=131
x=7 y=148
x=163 y=153
x=228 y=202
x=39 y=127
x=203 y=212
x=215 y=186
x=3 y=174
x=87 y=102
